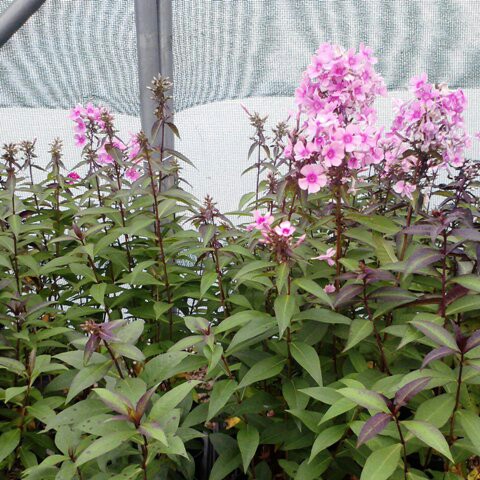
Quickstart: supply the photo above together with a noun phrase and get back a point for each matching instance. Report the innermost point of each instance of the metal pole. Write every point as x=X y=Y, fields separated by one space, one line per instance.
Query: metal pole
x=153 y=19
x=16 y=14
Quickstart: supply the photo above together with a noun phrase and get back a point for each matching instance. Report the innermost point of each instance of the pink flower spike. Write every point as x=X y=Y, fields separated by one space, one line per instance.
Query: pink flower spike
x=405 y=189
x=314 y=178
x=262 y=220
x=285 y=229
x=329 y=288
x=327 y=257
x=132 y=174
x=77 y=112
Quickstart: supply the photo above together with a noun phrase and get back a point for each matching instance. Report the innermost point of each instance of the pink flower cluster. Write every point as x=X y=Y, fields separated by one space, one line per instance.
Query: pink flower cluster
x=89 y=123
x=335 y=100
x=281 y=234
x=429 y=129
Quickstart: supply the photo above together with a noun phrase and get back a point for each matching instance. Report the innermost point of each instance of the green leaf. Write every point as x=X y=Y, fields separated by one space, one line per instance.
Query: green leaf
x=322 y=315
x=308 y=358
x=97 y=291
x=365 y=398
x=437 y=333
x=313 y=288
x=384 y=250
x=436 y=410
x=327 y=438
x=266 y=368
x=377 y=223
x=8 y=443
x=221 y=393
x=359 y=330
x=470 y=423
x=103 y=445
x=87 y=377
x=472 y=282
x=168 y=401
x=430 y=435
x=464 y=304
x=113 y=400
x=239 y=319
x=284 y=307
x=12 y=365
x=252 y=267
x=208 y=279
x=155 y=432
x=248 y=439
x=382 y=463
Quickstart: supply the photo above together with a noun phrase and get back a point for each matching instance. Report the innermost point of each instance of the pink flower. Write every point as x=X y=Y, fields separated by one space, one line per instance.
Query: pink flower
x=301 y=151
x=132 y=174
x=73 y=177
x=314 y=178
x=80 y=140
x=327 y=257
x=405 y=189
x=80 y=126
x=77 y=112
x=285 y=229
x=329 y=288
x=333 y=154
x=262 y=220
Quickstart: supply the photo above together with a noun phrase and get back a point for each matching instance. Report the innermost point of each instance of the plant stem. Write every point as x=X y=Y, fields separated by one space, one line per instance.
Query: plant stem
x=404 y=448
x=144 y=457
x=338 y=223
x=457 y=400
x=114 y=358
x=384 y=365
x=159 y=237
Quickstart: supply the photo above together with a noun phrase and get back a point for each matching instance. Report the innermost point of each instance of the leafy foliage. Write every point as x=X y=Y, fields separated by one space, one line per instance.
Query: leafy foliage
x=144 y=335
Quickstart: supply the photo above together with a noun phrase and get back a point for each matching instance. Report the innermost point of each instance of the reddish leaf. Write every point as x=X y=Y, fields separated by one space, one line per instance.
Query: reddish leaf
x=473 y=341
x=373 y=427
x=437 y=354
x=467 y=234
x=435 y=332
x=422 y=258
x=408 y=391
x=143 y=402
x=347 y=293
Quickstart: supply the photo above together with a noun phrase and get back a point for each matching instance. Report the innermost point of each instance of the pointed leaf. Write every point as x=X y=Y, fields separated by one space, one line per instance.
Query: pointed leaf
x=315 y=289
x=308 y=358
x=365 y=398
x=168 y=401
x=372 y=427
x=8 y=443
x=437 y=354
x=102 y=445
x=326 y=439
x=267 y=368
x=284 y=307
x=422 y=258
x=437 y=333
x=220 y=395
x=382 y=463
x=359 y=330
x=430 y=435
x=87 y=377
x=470 y=423
x=408 y=391
x=248 y=439
x=115 y=401
x=346 y=294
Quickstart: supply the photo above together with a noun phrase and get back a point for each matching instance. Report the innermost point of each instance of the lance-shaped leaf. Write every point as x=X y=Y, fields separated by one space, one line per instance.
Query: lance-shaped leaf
x=115 y=401
x=437 y=333
x=408 y=391
x=422 y=258
x=365 y=398
x=467 y=234
x=347 y=293
x=373 y=426
x=381 y=464
x=430 y=435
x=437 y=354
x=473 y=341
x=143 y=402
x=284 y=307
x=423 y=230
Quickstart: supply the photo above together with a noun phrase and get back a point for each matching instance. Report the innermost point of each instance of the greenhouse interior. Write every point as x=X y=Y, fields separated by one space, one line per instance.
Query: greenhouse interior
x=239 y=239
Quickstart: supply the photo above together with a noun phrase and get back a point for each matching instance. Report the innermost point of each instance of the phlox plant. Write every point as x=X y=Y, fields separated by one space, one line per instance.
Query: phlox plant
x=333 y=332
